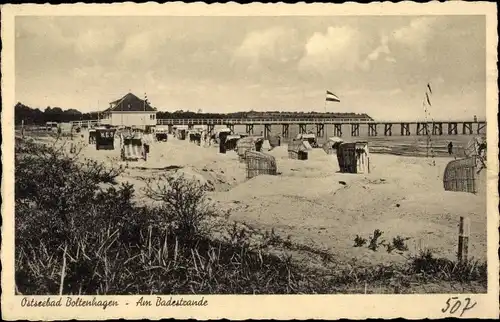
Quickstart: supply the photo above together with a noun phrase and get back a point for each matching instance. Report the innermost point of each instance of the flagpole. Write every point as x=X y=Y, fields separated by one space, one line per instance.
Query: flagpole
x=427 y=116
x=429 y=130
x=326 y=125
x=427 y=134
x=325 y=105
x=334 y=98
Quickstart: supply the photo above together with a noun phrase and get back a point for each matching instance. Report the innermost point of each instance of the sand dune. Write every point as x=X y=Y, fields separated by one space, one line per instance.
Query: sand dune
x=314 y=205
x=401 y=196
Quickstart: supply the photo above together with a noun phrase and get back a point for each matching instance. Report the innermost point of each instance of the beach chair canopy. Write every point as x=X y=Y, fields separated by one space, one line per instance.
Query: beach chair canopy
x=105 y=133
x=131 y=140
x=250 y=139
x=335 y=139
x=307 y=145
x=233 y=137
x=299 y=145
x=249 y=143
x=306 y=136
x=361 y=145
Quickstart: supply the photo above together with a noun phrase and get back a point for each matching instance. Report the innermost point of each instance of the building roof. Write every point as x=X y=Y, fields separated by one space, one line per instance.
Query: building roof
x=130 y=103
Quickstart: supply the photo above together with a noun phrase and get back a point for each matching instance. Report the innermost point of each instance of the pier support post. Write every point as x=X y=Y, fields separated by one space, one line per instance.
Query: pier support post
x=249 y=129
x=320 y=130
x=480 y=127
x=170 y=128
x=463 y=239
x=284 y=131
x=210 y=128
x=388 y=129
x=452 y=128
x=405 y=129
x=422 y=129
x=302 y=128
x=354 y=129
x=437 y=128
x=267 y=131
x=372 y=129
x=467 y=128
x=337 y=130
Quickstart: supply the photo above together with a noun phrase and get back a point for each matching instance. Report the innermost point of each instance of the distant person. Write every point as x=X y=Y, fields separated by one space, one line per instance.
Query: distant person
x=146 y=150
x=450 y=148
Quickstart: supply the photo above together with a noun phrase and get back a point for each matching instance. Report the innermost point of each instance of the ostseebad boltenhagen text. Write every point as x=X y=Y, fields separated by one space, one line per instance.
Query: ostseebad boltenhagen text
x=69 y=302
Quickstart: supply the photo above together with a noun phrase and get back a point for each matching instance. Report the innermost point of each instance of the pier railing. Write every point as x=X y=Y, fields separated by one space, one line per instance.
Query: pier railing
x=257 y=121
x=340 y=126
x=268 y=121
x=293 y=121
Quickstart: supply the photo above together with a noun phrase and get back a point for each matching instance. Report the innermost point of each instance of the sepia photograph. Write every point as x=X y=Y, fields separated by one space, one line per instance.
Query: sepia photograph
x=158 y=156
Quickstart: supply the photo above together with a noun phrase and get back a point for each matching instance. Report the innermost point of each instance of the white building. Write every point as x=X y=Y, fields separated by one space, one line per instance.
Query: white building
x=129 y=111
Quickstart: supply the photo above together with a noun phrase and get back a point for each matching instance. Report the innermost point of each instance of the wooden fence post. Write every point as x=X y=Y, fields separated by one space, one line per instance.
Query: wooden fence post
x=463 y=239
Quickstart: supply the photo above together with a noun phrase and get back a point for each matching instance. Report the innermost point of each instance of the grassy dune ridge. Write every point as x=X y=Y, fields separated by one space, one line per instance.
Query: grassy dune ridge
x=80 y=232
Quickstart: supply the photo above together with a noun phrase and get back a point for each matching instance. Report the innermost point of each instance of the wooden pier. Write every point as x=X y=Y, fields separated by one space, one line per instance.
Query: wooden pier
x=333 y=127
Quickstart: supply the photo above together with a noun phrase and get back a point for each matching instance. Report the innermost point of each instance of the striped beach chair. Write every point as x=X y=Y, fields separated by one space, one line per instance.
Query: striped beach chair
x=132 y=148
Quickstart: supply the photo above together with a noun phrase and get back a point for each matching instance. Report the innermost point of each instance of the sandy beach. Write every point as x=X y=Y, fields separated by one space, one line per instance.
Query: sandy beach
x=310 y=203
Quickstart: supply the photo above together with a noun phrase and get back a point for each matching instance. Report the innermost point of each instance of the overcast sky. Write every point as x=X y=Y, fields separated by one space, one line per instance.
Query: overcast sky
x=377 y=65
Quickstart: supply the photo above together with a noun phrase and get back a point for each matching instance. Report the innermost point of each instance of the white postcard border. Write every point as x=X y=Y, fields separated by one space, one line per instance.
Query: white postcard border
x=242 y=306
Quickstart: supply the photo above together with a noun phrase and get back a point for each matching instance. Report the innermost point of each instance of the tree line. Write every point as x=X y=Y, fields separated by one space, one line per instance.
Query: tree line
x=35 y=116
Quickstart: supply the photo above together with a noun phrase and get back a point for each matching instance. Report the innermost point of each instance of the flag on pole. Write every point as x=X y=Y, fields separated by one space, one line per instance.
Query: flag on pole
x=428 y=94
x=144 y=105
x=330 y=97
x=428 y=99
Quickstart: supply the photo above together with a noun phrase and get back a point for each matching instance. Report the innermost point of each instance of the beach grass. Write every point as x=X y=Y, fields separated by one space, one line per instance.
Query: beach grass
x=79 y=232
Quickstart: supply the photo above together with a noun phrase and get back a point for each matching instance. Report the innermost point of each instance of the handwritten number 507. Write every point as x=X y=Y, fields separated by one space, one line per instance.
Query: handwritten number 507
x=453 y=304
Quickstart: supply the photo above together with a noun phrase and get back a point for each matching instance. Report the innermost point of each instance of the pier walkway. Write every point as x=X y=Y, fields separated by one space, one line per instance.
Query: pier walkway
x=340 y=127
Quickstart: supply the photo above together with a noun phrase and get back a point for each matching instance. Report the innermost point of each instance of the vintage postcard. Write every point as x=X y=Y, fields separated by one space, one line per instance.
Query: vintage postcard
x=249 y=161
